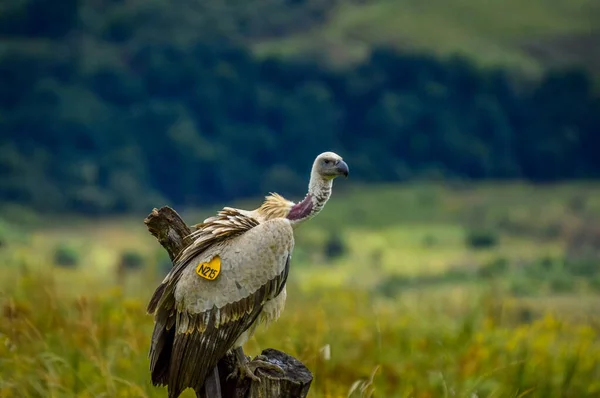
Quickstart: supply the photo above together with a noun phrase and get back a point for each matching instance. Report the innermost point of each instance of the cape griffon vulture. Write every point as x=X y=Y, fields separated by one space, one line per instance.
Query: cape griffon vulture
x=229 y=280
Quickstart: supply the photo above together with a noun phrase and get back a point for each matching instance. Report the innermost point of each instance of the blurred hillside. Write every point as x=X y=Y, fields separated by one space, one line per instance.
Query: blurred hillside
x=531 y=36
x=112 y=106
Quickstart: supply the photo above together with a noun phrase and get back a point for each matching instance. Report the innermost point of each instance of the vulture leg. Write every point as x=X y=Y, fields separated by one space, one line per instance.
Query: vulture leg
x=247 y=368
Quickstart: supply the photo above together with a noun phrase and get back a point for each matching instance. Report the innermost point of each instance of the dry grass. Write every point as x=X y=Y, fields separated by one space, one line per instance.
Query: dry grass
x=83 y=332
x=95 y=344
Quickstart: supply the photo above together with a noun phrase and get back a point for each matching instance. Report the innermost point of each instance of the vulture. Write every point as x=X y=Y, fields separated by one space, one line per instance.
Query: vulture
x=230 y=279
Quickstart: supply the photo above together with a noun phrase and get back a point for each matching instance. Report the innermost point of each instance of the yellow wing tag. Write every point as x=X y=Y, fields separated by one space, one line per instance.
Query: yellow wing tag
x=210 y=270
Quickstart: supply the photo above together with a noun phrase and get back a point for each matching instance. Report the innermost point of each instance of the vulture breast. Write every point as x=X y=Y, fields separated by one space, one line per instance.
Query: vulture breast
x=248 y=262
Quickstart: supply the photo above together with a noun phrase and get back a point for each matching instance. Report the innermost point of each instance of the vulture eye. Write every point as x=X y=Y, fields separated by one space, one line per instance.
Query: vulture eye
x=326 y=161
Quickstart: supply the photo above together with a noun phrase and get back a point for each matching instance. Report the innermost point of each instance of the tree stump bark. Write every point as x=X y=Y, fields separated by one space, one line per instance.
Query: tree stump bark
x=173 y=234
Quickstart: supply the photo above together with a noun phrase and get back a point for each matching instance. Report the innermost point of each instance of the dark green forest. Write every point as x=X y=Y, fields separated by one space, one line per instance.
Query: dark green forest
x=115 y=105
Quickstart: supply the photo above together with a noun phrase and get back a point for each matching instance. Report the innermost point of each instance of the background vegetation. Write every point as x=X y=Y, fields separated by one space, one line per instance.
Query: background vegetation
x=410 y=304
x=111 y=106
x=461 y=259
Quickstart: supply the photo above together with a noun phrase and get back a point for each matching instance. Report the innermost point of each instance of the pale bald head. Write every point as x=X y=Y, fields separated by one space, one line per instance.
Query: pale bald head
x=330 y=165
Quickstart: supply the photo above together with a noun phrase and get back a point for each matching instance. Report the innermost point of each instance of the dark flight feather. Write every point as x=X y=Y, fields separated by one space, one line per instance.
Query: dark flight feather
x=186 y=346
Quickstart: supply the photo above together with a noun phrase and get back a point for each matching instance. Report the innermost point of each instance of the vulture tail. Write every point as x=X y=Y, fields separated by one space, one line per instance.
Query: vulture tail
x=160 y=356
x=158 y=293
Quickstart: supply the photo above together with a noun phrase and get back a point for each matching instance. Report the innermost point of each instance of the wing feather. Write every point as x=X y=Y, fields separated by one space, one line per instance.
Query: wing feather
x=195 y=353
x=198 y=321
x=204 y=237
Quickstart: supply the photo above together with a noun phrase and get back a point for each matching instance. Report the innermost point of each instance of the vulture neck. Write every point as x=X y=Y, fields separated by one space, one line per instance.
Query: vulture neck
x=319 y=191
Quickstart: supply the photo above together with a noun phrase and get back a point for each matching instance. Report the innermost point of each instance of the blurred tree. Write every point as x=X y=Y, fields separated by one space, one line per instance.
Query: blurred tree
x=38 y=18
x=103 y=100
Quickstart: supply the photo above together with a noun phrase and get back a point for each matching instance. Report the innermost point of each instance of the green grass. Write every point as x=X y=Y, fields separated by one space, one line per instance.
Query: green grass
x=83 y=332
x=492 y=32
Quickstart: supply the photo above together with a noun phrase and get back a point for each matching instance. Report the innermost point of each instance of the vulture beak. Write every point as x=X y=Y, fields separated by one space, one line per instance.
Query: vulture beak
x=342 y=168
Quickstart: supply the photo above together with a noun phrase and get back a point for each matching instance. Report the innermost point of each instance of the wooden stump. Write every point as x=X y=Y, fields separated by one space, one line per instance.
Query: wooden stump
x=172 y=233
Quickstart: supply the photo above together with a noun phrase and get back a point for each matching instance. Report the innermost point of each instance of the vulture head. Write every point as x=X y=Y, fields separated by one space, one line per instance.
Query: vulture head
x=330 y=165
x=326 y=167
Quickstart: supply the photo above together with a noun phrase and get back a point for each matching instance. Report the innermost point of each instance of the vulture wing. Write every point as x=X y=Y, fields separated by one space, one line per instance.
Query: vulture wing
x=198 y=319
